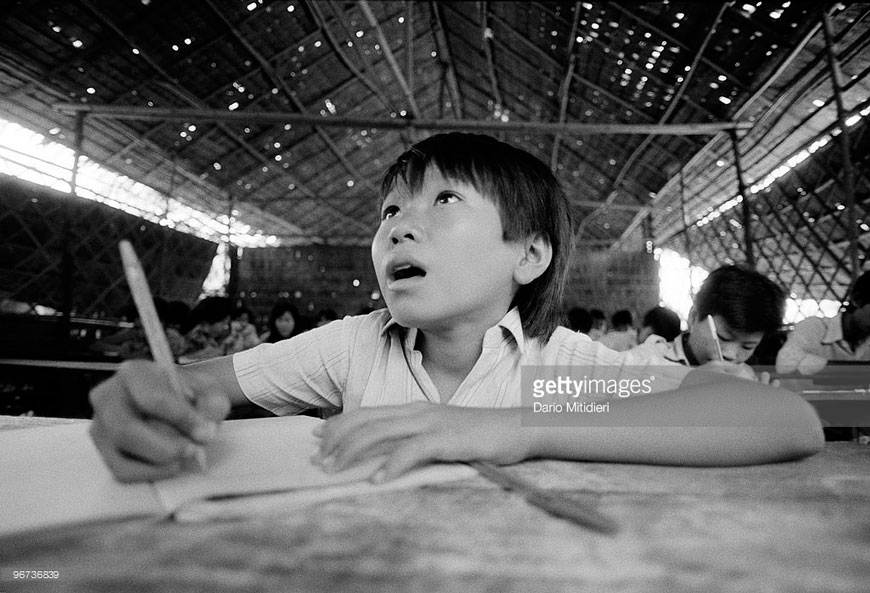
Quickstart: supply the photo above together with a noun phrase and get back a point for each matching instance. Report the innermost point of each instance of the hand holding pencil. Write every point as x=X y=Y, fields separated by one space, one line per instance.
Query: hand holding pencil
x=150 y=420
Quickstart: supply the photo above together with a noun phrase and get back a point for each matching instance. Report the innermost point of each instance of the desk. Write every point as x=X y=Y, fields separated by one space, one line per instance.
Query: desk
x=34 y=385
x=797 y=527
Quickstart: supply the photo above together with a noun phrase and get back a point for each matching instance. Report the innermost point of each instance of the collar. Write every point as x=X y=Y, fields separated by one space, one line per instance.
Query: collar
x=510 y=324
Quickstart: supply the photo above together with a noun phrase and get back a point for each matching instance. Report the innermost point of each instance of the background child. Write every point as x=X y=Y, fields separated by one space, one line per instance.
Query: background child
x=744 y=305
x=659 y=324
x=622 y=336
x=243 y=334
x=284 y=322
x=471 y=257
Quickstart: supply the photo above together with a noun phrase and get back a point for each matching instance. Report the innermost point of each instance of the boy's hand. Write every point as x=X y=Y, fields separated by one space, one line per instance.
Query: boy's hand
x=744 y=371
x=144 y=429
x=414 y=434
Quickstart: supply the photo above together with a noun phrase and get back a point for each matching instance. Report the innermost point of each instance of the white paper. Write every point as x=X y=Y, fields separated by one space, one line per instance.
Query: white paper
x=54 y=476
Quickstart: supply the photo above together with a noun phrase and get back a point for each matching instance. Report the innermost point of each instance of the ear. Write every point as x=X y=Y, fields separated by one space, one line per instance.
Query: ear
x=537 y=253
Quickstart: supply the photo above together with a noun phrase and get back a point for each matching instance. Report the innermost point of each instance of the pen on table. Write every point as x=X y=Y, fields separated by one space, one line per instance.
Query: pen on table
x=151 y=322
x=712 y=325
x=578 y=512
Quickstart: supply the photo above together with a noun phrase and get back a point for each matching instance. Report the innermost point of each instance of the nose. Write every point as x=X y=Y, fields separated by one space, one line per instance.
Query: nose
x=730 y=351
x=404 y=229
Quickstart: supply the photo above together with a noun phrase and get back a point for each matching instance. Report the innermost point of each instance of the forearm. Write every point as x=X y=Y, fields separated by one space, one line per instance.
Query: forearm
x=723 y=423
x=216 y=373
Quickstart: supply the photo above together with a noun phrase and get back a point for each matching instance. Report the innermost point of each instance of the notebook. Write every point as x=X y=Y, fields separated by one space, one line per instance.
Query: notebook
x=53 y=475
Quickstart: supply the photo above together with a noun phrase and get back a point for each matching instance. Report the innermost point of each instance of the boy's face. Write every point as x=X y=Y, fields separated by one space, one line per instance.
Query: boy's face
x=737 y=346
x=440 y=258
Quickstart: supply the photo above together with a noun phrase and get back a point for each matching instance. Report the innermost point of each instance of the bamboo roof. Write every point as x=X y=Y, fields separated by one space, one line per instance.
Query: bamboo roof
x=289 y=111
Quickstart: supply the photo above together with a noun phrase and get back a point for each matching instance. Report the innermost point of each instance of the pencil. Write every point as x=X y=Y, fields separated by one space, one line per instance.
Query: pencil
x=576 y=511
x=151 y=322
x=712 y=325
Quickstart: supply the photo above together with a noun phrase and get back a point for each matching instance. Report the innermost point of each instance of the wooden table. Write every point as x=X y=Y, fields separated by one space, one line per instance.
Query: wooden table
x=797 y=527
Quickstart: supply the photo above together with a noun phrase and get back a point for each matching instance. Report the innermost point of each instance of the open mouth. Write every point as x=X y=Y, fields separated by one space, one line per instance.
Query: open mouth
x=407 y=271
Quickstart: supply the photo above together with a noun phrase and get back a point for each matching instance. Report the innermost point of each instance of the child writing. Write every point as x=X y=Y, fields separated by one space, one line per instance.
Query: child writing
x=744 y=304
x=471 y=256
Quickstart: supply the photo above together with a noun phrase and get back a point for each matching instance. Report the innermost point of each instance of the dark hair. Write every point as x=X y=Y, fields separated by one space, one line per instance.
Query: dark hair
x=210 y=310
x=579 y=320
x=746 y=299
x=177 y=313
x=622 y=317
x=278 y=309
x=859 y=293
x=663 y=322
x=529 y=199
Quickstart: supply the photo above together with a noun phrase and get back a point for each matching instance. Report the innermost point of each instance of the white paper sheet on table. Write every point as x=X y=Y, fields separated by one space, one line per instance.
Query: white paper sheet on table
x=54 y=475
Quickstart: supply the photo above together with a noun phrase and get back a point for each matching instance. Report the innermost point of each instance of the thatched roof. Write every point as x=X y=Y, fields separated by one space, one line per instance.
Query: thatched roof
x=289 y=111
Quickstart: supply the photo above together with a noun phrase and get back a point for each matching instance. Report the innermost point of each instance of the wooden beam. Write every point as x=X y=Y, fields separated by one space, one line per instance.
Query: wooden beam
x=565 y=88
x=391 y=59
x=123 y=112
x=848 y=180
x=446 y=60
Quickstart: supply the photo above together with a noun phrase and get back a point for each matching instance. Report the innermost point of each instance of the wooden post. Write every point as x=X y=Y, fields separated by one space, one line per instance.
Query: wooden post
x=741 y=190
x=848 y=183
x=164 y=244
x=68 y=265
x=232 y=287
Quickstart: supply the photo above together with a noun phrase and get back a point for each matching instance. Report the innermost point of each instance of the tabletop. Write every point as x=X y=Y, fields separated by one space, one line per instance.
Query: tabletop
x=800 y=526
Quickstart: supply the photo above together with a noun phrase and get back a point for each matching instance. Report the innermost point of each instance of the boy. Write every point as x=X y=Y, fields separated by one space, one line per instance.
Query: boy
x=471 y=256
x=660 y=324
x=623 y=336
x=744 y=305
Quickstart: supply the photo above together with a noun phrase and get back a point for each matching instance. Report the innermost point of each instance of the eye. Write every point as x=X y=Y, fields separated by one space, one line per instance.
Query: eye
x=389 y=212
x=447 y=197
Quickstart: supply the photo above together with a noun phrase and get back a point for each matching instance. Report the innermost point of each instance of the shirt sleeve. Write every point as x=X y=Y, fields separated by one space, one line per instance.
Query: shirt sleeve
x=803 y=350
x=306 y=371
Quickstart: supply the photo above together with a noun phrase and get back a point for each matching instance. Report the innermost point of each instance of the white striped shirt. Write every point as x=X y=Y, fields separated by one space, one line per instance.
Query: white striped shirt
x=369 y=360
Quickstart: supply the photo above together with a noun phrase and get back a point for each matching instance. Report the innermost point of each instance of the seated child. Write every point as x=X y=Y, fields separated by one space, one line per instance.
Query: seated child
x=284 y=322
x=471 y=256
x=579 y=320
x=211 y=325
x=659 y=324
x=623 y=336
x=599 y=324
x=243 y=334
x=744 y=305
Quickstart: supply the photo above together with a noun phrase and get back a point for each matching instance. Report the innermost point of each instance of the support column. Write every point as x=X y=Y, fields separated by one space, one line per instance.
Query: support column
x=164 y=244
x=232 y=256
x=848 y=182
x=741 y=190
x=686 y=229
x=67 y=262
